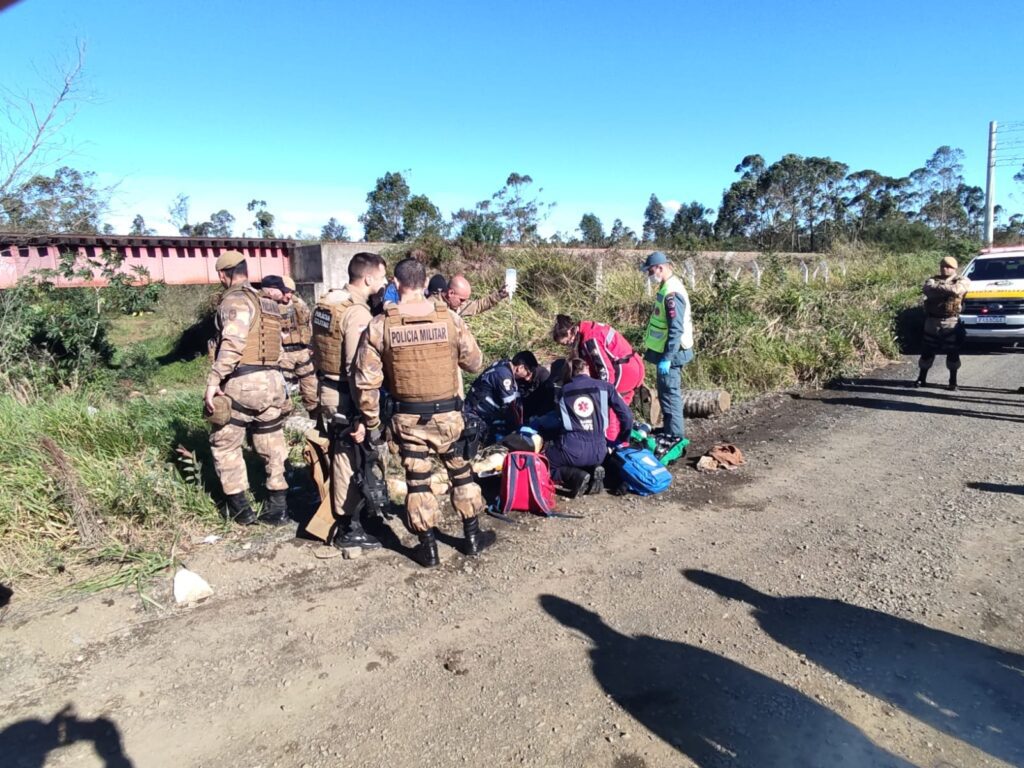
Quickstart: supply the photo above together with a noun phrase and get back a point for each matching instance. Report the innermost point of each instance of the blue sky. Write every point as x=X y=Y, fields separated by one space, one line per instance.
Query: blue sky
x=305 y=104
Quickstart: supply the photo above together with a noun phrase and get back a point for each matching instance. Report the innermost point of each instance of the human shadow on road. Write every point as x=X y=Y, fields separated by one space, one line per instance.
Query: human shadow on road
x=996 y=390
x=27 y=743
x=880 y=404
x=712 y=709
x=970 y=690
x=998 y=488
x=931 y=392
x=6 y=593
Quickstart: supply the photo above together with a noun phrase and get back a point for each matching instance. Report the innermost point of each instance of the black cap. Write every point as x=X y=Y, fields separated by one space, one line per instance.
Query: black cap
x=273 y=281
x=437 y=284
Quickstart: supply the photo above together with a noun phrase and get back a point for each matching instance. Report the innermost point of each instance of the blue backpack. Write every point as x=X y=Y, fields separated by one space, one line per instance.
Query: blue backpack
x=641 y=472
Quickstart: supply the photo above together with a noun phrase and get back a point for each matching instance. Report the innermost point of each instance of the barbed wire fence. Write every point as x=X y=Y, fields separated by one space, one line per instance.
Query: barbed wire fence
x=696 y=272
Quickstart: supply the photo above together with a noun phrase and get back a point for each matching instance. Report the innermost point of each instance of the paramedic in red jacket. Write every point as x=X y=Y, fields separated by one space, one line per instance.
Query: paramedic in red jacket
x=608 y=355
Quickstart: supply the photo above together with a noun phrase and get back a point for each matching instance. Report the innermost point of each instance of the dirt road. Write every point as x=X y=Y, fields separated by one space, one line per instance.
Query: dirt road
x=851 y=597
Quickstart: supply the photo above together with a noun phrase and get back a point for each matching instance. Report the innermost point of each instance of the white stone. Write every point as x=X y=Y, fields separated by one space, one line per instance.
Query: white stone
x=190 y=587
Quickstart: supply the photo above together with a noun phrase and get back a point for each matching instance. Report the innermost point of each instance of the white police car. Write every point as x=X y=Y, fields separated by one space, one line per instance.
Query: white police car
x=993 y=309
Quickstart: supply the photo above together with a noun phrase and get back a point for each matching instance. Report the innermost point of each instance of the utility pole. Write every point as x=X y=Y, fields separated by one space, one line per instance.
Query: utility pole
x=990 y=186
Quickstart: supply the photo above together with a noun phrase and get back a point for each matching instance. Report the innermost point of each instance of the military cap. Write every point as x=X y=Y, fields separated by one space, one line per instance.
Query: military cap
x=655 y=259
x=948 y=261
x=229 y=259
x=437 y=284
x=273 y=281
x=289 y=284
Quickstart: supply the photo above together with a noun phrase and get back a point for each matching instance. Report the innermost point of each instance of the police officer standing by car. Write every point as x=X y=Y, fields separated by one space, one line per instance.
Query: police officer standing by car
x=339 y=322
x=416 y=348
x=943 y=333
x=245 y=392
x=669 y=340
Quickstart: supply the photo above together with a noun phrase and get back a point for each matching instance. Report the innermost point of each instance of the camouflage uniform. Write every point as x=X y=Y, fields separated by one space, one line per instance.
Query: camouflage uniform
x=257 y=392
x=481 y=305
x=942 y=331
x=337 y=393
x=297 y=357
x=420 y=435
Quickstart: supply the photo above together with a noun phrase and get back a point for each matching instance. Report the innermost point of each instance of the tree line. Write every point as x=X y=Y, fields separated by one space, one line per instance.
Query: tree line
x=799 y=204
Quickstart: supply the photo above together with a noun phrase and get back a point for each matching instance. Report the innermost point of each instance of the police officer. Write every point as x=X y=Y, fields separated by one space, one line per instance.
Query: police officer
x=296 y=334
x=458 y=293
x=249 y=391
x=416 y=348
x=339 y=321
x=943 y=334
x=580 y=440
x=669 y=340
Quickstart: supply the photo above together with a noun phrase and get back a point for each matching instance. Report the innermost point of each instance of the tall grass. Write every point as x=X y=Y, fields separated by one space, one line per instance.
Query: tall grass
x=749 y=339
x=106 y=467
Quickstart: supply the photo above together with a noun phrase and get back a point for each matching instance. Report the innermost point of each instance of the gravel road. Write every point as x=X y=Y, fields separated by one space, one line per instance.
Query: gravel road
x=852 y=596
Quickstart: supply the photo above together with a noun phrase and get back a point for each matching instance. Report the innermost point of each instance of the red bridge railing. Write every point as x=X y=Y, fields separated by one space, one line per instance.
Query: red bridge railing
x=172 y=260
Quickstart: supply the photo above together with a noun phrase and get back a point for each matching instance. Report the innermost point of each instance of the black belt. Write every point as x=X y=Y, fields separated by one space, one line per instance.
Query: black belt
x=334 y=384
x=295 y=347
x=245 y=370
x=428 y=409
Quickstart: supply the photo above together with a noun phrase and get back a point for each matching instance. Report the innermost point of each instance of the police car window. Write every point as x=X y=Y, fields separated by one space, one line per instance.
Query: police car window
x=997 y=269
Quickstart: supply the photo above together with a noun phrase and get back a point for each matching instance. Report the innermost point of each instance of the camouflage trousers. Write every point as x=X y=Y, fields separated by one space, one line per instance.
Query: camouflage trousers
x=416 y=441
x=299 y=365
x=258 y=408
x=942 y=336
x=344 y=495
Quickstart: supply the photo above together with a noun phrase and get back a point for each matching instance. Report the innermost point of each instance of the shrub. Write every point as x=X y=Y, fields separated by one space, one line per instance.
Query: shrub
x=55 y=338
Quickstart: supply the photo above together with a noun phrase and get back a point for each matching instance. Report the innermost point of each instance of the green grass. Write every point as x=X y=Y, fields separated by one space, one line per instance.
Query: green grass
x=749 y=339
x=93 y=488
x=107 y=475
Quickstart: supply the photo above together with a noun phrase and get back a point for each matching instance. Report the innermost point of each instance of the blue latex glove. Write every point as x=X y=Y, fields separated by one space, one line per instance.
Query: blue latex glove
x=664 y=367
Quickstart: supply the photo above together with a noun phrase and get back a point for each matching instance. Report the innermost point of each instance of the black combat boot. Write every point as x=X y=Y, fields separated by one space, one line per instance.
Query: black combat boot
x=355 y=536
x=238 y=509
x=922 y=378
x=426 y=553
x=574 y=480
x=476 y=540
x=275 y=511
x=596 y=482
x=952 y=381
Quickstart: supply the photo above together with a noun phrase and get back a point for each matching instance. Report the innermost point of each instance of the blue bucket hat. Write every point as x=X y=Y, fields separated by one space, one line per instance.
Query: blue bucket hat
x=655 y=259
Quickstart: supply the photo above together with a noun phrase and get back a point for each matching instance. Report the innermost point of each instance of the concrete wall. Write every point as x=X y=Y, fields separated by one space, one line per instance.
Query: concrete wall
x=323 y=266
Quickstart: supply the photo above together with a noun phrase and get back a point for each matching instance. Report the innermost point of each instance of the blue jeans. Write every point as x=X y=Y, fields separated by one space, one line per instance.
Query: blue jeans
x=670 y=393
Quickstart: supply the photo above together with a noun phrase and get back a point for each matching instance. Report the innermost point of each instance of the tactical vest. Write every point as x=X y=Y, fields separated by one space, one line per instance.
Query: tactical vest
x=942 y=306
x=263 y=344
x=421 y=355
x=295 y=324
x=657 y=326
x=326 y=335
